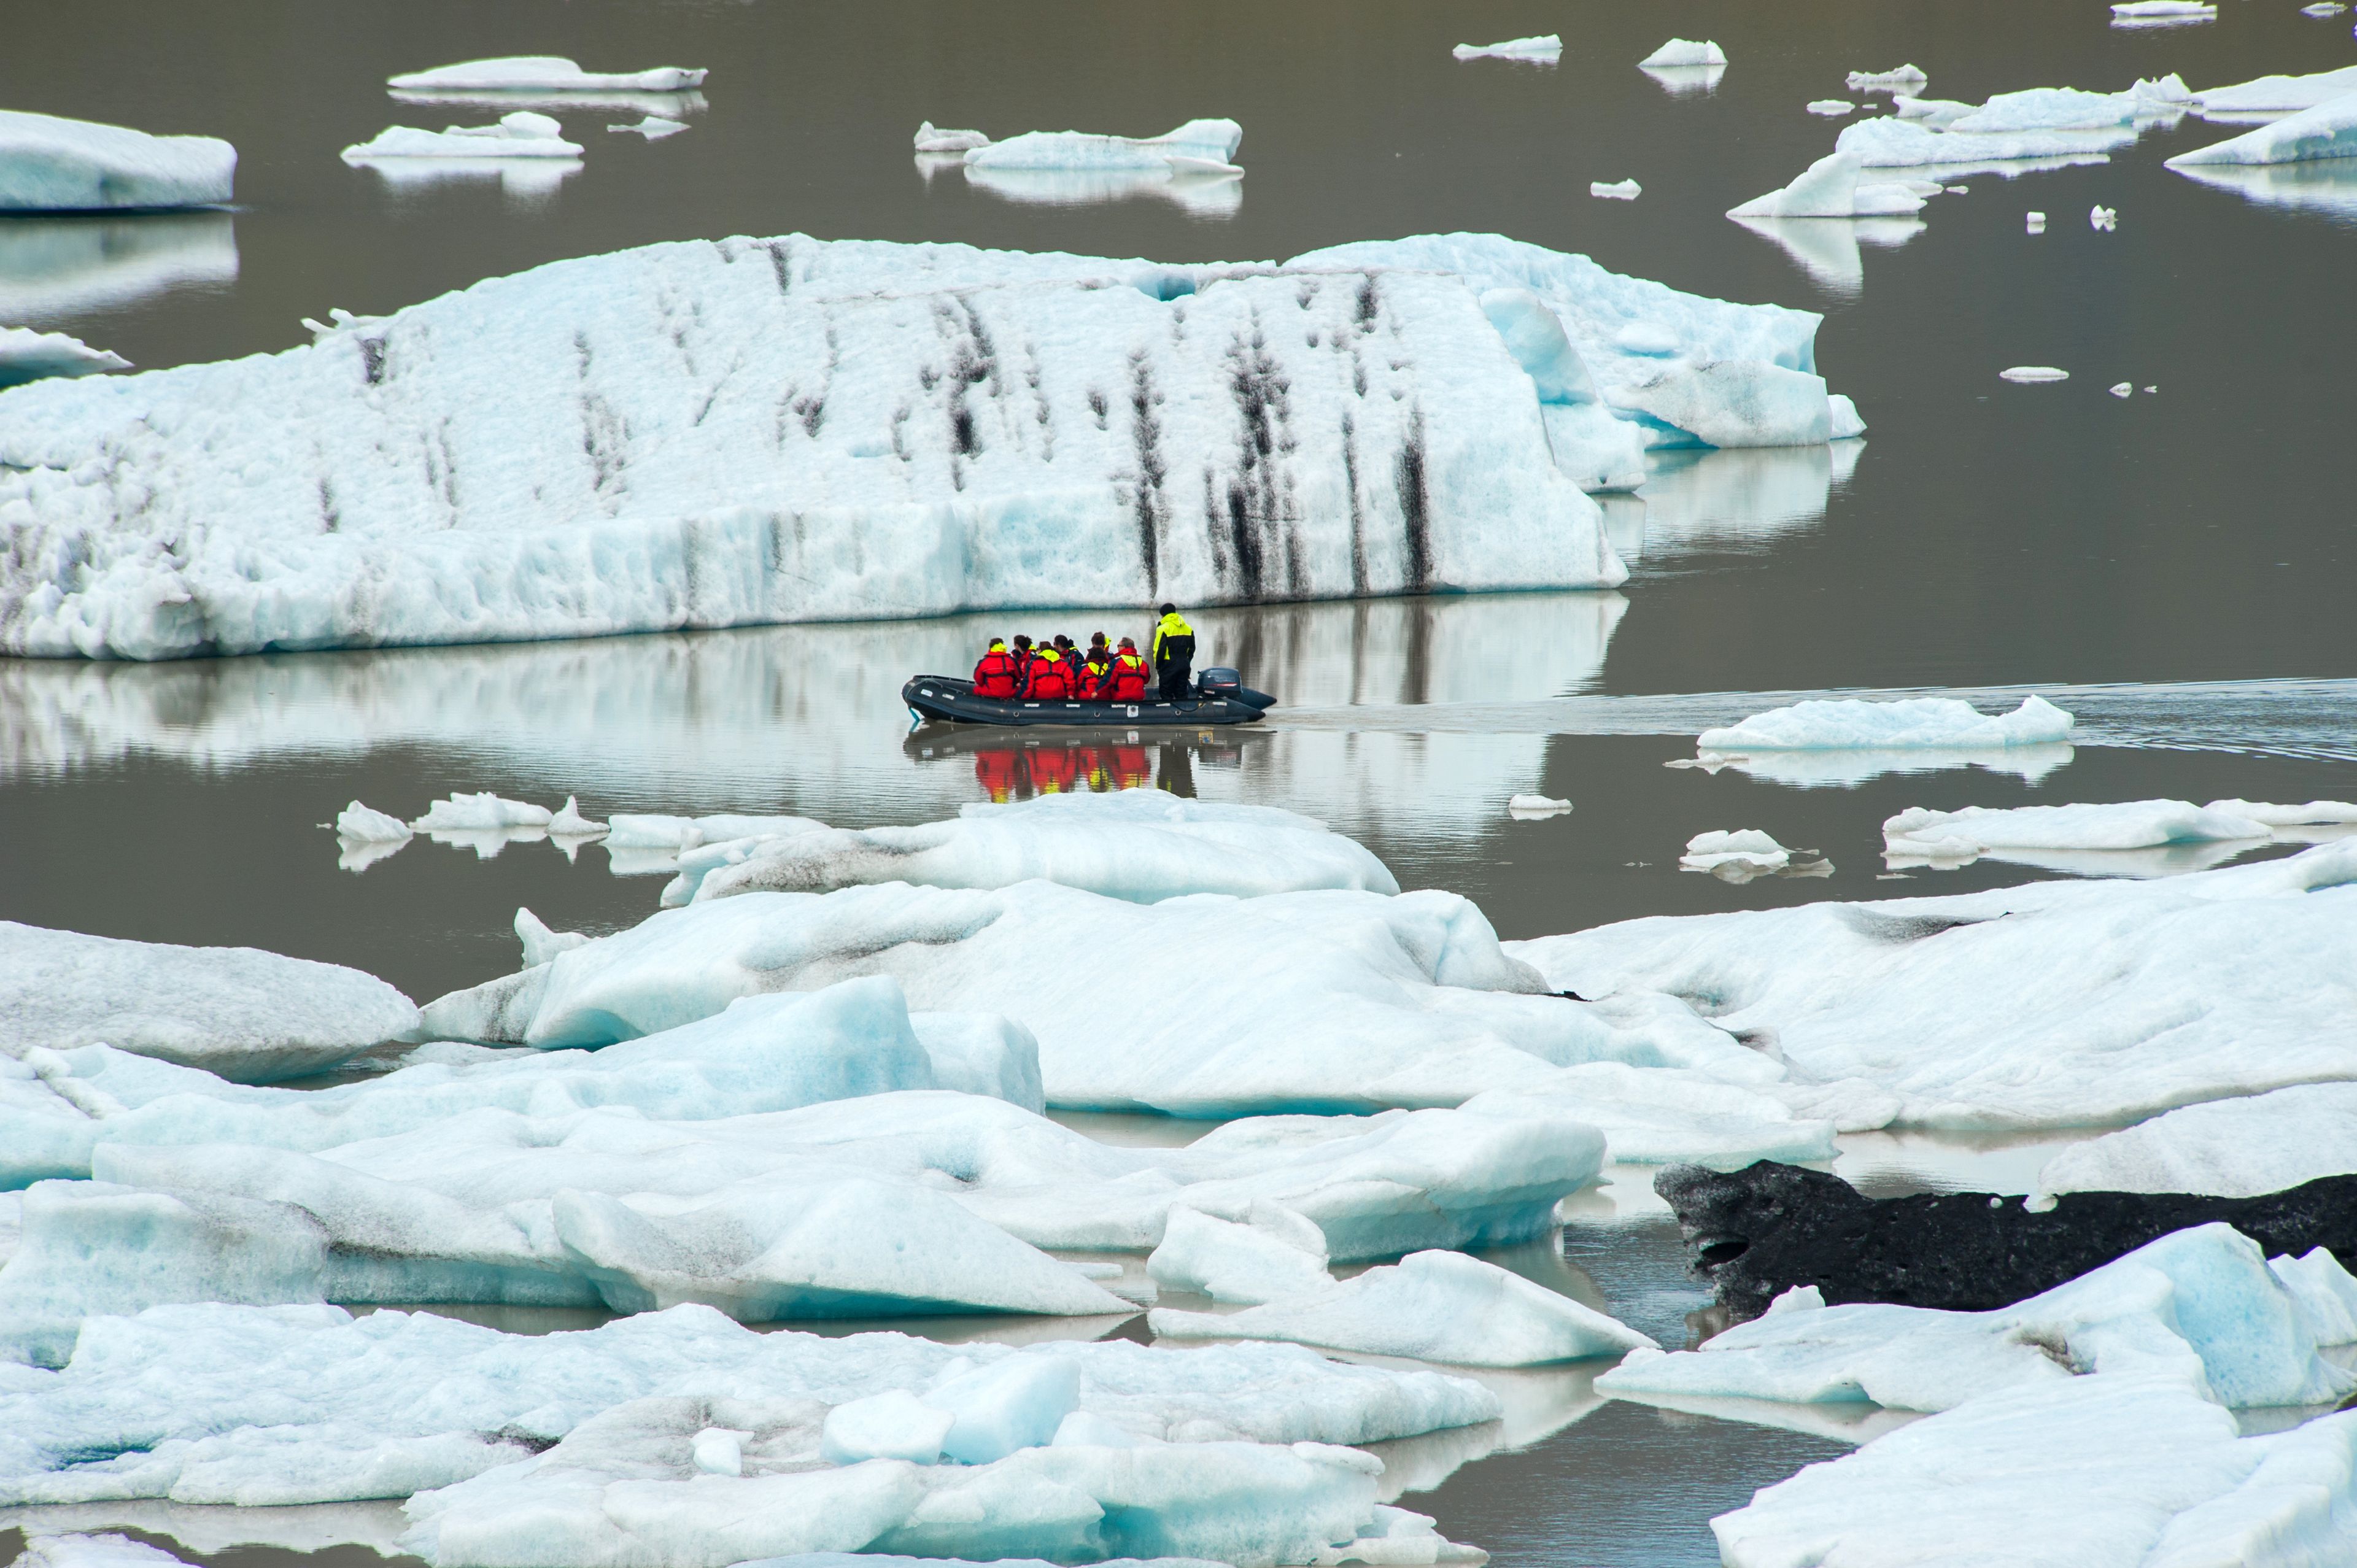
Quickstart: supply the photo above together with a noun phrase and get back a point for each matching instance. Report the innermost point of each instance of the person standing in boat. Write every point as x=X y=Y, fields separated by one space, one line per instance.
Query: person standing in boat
x=1174 y=653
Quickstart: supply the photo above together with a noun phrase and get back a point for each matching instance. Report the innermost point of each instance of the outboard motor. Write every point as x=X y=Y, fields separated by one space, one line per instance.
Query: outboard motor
x=1219 y=681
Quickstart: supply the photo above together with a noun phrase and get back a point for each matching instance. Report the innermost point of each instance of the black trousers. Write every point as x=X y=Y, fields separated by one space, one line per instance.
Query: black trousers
x=1174 y=674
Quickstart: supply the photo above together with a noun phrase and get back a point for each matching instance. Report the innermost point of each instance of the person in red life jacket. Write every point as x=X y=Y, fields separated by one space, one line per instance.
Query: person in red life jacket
x=1126 y=682
x=1096 y=670
x=997 y=772
x=998 y=674
x=1023 y=656
x=1051 y=678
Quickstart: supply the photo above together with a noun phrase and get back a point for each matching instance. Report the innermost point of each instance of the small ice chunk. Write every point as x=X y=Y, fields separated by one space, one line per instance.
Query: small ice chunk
x=932 y=138
x=1846 y=421
x=894 y=1425
x=1906 y=79
x=2033 y=373
x=30 y=356
x=1616 y=190
x=1830 y=108
x=49 y=164
x=2123 y=389
x=2035 y=222
x=2152 y=389
x=653 y=127
x=522 y=135
x=2323 y=8
x=338 y=320
x=1014 y=1403
x=1529 y=806
x=543 y=73
x=1919 y=833
x=1831 y=188
x=568 y=822
x=540 y=944
x=481 y=812
x=359 y=824
x=2102 y=219
x=1685 y=53
x=1799 y=1298
x=1547 y=46
x=1958 y=189
x=2162 y=10
x=1433 y=1305
x=718 y=1451
x=1271 y=1254
x=1745 y=849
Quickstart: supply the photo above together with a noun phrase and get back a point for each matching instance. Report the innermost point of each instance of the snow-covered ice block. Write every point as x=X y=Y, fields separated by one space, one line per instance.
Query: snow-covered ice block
x=246 y=1015
x=363 y=824
x=2230 y=1148
x=1910 y=723
x=2313 y=814
x=568 y=822
x=1271 y=1252
x=301 y=1405
x=2052 y=1005
x=2201 y=1307
x=2326 y=131
x=484 y=812
x=1907 y=79
x=1143 y=845
x=653 y=127
x=542 y=73
x=1830 y=187
x=1534 y=808
x=52 y=164
x=1616 y=190
x=522 y=135
x=1664 y=1115
x=2120 y=1472
x=1548 y=46
x=1897 y=141
x=1198 y=145
x=933 y=139
x=1746 y=849
x=1920 y=833
x=1317 y=1001
x=693 y=501
x=2033 y=373
x=2049 y=109
x=2278 y=94
x=1830 y=108
x=1432 y=1306
x=1684 y=52
x=30 y=356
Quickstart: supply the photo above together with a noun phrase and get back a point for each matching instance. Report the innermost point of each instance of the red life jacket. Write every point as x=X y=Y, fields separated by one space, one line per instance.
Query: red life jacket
x=994 y=676
x=1096 y=679
x=1051 y=680
x=1127 y=683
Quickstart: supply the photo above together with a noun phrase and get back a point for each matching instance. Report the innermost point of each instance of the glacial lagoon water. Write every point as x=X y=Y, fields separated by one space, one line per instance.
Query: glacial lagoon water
x=2173 y=565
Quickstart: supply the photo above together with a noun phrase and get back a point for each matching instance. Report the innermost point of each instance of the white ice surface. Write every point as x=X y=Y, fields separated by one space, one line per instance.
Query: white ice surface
x=246 y=1015
x=1905 y=79
x=30 y=356
x=2052 y=1004
x=2032 y=374
x=608 y=478
x=1831 y=188
x=1659 y=1115
x=930 y=138
x=2107 y=1472
x=1205 y=145
x=1547 y=46
x=1316 y=1001
x=1434 y=1306
x=2201 y=1307
x=92 y=1551
x=2326 y=131
x=1915 y=722
x=483 y=812
x=522 y=135
x=1897 y=142
x=568 y=822
x=1830 y=108
x=2162 y=10
x=1684 y=52
x=363 y=824
x=2278 y=94
x=1616 y=190
x=1534 y=807
x=1268 y=1253
x=541 y=73
x=2311 y=813
x=2232 y=1148
x=1746 y=847
x=52 y=164
x=1922 y=834
x=1141 y=845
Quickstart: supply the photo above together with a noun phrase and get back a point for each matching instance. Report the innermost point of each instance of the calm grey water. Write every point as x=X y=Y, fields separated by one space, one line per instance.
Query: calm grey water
x=2193 y=546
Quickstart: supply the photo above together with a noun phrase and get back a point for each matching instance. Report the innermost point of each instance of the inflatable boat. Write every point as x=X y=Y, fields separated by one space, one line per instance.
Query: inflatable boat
x=1219 y=697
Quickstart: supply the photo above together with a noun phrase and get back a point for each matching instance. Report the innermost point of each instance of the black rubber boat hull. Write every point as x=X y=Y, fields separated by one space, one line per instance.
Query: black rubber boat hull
x=949 y=699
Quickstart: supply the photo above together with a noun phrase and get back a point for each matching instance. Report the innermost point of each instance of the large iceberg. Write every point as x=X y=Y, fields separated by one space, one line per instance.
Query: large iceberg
x=246 y=1015
x=2230 y=1148
x=2053 y=1005
x=2201 y=1306
x=53 y=164
x=542 y=73
x=584 y=448
x=2275 y=94
x=2326 y=131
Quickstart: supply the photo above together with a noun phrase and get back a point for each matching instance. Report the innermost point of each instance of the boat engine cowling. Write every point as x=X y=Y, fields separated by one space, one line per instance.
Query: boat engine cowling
x=1219 y=681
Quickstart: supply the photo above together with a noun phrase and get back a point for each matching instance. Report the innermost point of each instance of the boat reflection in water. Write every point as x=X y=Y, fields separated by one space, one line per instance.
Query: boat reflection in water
x=1013 y=767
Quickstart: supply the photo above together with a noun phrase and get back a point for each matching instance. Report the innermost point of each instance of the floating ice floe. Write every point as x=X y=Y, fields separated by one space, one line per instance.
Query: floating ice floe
x=1830 y=108
x=2050 y=1004
x=932 y=139
x=2036 y=223
x=1547 y=46
x=2033 y=373
x=1143 y=845
x=1746 y=849
x=1912 y=723
x=2162 y=13
x=1831 y=188
x=1616 y=190
x=249 y=1015
x=1198 y=146
x=1921 y=835
x=2202 y=1307
x=653 y=127
x=568 y=822
x=1432 y=1306
x=362 y=824
x=1268 y=1253
x=2121 y=389
x=2323 y=8
x=483 y=812
x=2275 y=94
x=1906 y=79
x=52 y=164
x=522 y=135
x=542 y=73
x=2243 y=1147
x=2326 y=131
x=1684 y=52
x=1932 y=113
x=30 y=356
x=2062 y=1474
x=1533 y=807
x=2102 y=219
